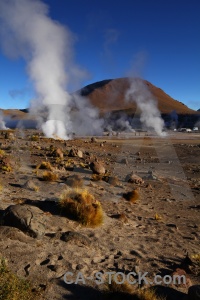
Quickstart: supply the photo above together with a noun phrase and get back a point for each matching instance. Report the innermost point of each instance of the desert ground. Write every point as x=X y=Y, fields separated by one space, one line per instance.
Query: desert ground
x=155 y=231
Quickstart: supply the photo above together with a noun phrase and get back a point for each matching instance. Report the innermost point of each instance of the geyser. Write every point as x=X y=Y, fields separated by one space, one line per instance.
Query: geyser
x=150 y=115
x=28 y=31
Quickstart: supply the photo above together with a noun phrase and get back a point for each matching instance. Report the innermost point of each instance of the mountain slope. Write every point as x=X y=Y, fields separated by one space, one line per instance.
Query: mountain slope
x=109 y=95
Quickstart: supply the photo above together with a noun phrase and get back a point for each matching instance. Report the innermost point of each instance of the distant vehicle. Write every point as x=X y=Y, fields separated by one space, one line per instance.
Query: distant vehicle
x=185 y=130
x=195 y=129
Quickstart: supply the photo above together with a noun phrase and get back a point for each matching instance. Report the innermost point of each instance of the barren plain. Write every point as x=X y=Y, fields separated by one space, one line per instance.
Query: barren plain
x=157 y=232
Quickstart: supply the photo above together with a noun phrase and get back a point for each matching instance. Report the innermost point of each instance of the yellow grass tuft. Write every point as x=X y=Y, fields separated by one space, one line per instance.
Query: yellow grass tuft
x=45 y=165
x=132 y=196
x=13 y=287
x=82 y=205
x=49 y=176
x=196 y=258
x=126 y=288
x=146 y=294
x=34 y=138
x=97 y=177
x=157 y=217
x=6 y=168
x=2 y=153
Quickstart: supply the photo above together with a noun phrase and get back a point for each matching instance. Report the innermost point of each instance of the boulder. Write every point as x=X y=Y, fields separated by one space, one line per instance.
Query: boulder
x=133 y=178
x=97 y=167
x=29 y=219
x=76 y=153
x=93 y=140
x=58 y=153
x=30 y=185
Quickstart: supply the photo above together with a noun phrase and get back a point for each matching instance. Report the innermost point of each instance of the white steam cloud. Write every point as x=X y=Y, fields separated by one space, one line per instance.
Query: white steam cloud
x=2 y=123
x=150 y=114
x=28 y=31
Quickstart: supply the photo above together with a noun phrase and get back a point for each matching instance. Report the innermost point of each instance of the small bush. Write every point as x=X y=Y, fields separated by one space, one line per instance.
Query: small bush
x=132 y=196
x=157 y=217
x=6 y=168
x=45 y=165
x=49 y=176
x=14 y=288
x=2 y=153
x=97 y=177
x=34 y=138
x=127 y=289
x=82 y=206
x=196 y=258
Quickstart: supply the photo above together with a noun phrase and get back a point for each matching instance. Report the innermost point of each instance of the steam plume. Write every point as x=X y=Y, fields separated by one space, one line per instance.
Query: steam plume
x=28 y=31
x=150 y=115
x=2 y=123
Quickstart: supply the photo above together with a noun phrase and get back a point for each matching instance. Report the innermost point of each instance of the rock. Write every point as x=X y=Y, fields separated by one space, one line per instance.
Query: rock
x=133 y=178
x=15 y=234
x=76 y=153
x=9 y=136
x=124 y=161
x=180 y=273
x=97 y=167
x=78 y=238
x=29 y=219
x=151 y=175
x=30 y=185
x=194 y=292
x=93 y=140
x=58 y=153
x=171 y=225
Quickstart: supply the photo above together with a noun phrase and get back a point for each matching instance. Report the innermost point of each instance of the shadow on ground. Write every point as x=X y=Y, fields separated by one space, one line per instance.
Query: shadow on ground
x=84 y=292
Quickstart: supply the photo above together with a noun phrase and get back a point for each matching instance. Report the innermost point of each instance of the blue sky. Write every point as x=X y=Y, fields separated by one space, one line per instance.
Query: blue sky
x=156 y=40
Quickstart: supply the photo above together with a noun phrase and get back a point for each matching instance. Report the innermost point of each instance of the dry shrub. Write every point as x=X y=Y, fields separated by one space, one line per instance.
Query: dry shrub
x=45 y=165
x=115 y=287
x=13 y=287
x=105 y=177
x=34 y=138
x=2 y=153
x=82 y=206
x=127 y=289
x=97 y=177
x=132 y=196
x=157 y=217
x=49 y=176
x=6 y=168
x=196 y=258
x=5 y=164
x=146 y=294
x=122 y=217
x=75 y=181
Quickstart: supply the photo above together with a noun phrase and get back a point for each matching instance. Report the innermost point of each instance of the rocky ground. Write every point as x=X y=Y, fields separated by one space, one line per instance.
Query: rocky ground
x=157 y=232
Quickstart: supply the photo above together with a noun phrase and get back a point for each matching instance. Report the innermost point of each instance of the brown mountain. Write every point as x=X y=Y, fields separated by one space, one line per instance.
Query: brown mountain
x=109 y=95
